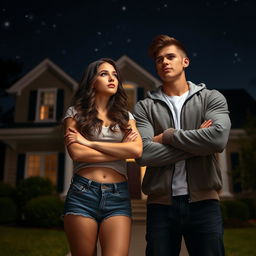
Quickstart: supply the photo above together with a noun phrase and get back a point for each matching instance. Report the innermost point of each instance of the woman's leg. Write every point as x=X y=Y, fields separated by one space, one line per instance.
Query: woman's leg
x=82 y=234
x=115 y=235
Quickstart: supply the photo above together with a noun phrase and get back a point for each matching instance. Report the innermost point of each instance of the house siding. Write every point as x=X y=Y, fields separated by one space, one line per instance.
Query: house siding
x=46 y=80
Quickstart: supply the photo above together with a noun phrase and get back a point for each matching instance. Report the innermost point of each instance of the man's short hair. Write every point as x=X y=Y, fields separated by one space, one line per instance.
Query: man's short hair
x=162 y=41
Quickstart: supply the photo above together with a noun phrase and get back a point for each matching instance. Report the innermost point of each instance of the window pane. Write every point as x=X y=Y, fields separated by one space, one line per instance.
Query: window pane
x=50 y=168
x=46 y=108
x=130 y=92
x=33 y=165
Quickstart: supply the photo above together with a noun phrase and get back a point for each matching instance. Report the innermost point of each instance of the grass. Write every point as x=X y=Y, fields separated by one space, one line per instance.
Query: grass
x=240 y=242
x=32 y=242
x=44 y=242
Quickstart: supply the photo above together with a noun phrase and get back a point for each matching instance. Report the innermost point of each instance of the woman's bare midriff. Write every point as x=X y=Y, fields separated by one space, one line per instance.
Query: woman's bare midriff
x=101 y=174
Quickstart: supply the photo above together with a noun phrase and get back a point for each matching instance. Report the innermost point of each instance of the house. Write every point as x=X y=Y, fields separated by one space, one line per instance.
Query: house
x=32 y=145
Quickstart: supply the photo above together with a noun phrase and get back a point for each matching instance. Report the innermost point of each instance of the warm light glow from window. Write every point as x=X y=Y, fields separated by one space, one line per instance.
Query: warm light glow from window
x=50 y=168
x=33 y=165
x=44 y=165
x=46 y=107
x=131 y=95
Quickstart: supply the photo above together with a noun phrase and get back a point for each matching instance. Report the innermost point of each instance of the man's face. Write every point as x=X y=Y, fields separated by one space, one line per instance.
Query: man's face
x=170 y=63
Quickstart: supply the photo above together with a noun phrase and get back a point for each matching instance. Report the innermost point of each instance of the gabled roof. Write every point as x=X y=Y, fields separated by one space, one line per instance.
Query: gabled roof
x=240 y=104
x=125 y=60
x=36 y=72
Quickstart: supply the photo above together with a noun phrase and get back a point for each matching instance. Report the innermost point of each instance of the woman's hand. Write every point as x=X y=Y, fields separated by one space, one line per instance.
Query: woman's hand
x=131 y=136
x=73 y=136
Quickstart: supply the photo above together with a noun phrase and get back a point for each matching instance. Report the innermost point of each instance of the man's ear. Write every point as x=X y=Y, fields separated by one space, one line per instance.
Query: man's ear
x=186 y=62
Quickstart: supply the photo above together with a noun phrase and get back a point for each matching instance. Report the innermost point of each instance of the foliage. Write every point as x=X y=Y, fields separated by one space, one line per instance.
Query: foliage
x=7 y=190
x=8 y=210
x=248 y=156
x=236 y=209
x=9 y=71
x=44 y=211
x=33 y=187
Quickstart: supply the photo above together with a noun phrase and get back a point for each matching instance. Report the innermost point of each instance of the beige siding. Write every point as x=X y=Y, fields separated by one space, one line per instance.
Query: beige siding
x=10 y=166
x=48 y=79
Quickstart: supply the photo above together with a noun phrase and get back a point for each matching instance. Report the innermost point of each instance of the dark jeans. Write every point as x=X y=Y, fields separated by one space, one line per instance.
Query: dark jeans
x=200 y=224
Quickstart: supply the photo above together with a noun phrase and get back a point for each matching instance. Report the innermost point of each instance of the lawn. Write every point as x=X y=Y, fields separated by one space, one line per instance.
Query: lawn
x=240 y=242
x=32 y=242
x=45 y=242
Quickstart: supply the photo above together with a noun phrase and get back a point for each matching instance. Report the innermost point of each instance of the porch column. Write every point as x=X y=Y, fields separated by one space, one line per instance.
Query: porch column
x=225 y=192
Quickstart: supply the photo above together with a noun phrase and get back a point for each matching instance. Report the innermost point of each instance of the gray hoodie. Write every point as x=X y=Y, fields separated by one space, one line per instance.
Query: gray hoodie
x=196 y=146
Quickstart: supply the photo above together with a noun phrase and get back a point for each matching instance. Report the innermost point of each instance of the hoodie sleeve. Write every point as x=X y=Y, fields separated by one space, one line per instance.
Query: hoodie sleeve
x=204 y=141
x=154 y=154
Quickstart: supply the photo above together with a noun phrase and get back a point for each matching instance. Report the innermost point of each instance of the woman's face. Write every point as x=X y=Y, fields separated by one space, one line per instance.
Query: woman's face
x=106 y=81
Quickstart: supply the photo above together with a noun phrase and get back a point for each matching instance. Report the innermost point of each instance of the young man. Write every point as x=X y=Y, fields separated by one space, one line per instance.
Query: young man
x=182 y=126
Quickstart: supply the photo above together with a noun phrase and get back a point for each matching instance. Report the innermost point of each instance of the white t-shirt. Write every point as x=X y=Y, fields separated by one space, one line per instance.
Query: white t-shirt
x=179 y=181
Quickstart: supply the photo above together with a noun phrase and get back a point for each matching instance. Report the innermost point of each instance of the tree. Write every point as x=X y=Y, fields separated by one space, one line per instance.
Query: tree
x=247 y=163
x=9 y=71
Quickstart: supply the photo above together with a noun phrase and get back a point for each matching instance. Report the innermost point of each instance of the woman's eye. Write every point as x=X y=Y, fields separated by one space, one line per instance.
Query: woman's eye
x=103 y=74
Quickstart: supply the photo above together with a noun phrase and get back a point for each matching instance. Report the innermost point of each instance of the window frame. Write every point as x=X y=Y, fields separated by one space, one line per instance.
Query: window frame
x=42 y=164
x=39 y=93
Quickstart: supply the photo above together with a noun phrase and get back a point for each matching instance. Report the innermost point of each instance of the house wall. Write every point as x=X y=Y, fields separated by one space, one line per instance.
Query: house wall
x=47 y=79
x=10 y=166
x=130 y=74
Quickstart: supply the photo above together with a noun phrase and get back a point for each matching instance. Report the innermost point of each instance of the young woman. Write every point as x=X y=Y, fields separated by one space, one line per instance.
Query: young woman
x=100 y=134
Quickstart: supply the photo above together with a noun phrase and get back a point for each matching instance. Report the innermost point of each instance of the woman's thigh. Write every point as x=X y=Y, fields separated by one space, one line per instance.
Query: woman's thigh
x=82 y=234
x=115 y=235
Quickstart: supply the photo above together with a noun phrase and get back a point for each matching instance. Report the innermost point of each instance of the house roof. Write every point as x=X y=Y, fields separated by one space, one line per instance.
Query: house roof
x=125 y=60
x=17 y=87
x=241 y=105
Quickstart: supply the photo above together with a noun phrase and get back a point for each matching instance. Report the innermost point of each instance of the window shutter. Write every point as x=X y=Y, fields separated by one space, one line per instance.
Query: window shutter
x=140 y=93
x=60 y=104
x=32 y=105
x=20 y=168
x=60 y=181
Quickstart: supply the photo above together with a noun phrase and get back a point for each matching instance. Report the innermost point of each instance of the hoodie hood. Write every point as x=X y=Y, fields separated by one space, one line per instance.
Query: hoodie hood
x=193 y=88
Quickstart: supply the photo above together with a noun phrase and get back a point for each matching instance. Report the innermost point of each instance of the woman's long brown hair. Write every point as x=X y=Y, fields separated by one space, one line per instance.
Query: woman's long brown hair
x=84 y=103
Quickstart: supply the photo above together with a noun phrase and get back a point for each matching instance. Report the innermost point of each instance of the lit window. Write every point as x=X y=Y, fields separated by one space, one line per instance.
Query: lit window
x=42 y=164
x=46 y=106
x=131 y=95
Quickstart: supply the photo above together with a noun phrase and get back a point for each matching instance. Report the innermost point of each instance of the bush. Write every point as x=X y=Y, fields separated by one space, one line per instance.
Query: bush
x=236 y=209
x=8 y=210
x=44 y=211
x=251 y=203
x=33 y=187
x=7 y=190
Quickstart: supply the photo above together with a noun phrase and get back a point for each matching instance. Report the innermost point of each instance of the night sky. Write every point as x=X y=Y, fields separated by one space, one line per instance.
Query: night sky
x=219 y=35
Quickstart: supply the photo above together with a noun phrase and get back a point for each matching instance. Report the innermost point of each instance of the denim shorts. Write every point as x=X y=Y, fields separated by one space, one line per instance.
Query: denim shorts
x=98 y=201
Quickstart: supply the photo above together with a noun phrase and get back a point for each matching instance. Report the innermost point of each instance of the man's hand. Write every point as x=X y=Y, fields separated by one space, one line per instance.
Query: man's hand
x=206 y=124
x=158 y=138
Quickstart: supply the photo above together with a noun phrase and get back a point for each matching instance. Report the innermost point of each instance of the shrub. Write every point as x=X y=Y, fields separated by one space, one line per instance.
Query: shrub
x=33 y=187
x=6 y=190
x=44 y=211
x=251 y=203
x=236 y=209
x=8 y=210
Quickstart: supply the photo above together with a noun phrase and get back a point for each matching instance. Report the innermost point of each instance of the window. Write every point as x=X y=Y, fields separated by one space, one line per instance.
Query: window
x=46 y=105
x=131 y=95
x=42 y=164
